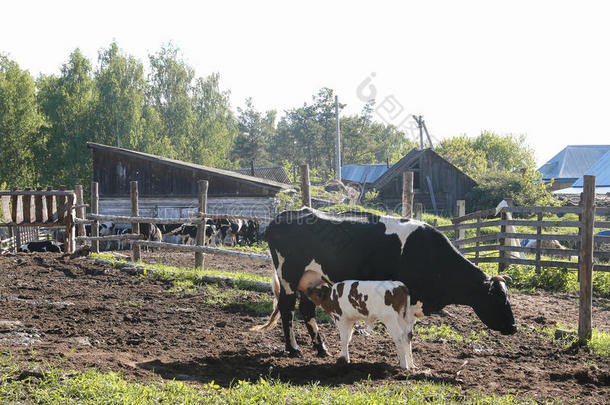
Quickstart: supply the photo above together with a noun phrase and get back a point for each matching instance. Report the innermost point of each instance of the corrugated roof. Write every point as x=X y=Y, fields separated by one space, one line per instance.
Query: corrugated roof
x=275 y=173
x=178 y=163
x=601 y=171
x=573 y=161
x=363 y=173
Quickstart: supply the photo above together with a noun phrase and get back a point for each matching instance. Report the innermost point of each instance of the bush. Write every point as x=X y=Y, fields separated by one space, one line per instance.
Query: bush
x=525 y=189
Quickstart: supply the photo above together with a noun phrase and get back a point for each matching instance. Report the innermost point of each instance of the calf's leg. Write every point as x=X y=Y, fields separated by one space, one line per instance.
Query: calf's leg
x=308 y=311
x=400 y=341
x=345 y=332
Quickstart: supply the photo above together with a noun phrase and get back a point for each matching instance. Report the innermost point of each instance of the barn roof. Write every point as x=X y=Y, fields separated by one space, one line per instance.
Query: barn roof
x=275 y=173
x=572 y=162
x=270 y=184
x=363 y=173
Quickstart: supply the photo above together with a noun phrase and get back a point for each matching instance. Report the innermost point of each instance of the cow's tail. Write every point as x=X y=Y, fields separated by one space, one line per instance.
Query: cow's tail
x=275 y=315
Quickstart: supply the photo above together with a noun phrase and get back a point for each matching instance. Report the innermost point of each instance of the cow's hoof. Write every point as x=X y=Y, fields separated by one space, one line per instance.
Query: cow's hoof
x=341 y=361
x=294 y=353
x=322 y=353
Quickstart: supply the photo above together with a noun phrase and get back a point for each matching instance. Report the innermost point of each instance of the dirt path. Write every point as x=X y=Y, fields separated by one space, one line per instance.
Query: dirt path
x=88 y=315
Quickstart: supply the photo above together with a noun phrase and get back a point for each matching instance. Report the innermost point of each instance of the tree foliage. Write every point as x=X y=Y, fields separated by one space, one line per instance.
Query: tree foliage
x=20 y=126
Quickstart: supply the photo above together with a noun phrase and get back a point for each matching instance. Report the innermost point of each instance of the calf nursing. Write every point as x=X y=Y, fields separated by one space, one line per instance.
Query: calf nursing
x=351 y=301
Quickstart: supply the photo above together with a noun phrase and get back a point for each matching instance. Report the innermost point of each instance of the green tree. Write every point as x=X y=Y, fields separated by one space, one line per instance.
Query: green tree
x=256 y=129
x=489 y=152
x=214 y=127
x=117 y=113
x=67 y=102
x=169 y=91
x=526 y=189
x=20 y=123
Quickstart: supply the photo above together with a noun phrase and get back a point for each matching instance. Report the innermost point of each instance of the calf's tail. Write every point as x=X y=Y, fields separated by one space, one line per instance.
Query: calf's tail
x=275 y=315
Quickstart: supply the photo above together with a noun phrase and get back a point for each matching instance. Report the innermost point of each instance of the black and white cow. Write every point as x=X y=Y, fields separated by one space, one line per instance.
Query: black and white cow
x=364 y=246
x=41 y=246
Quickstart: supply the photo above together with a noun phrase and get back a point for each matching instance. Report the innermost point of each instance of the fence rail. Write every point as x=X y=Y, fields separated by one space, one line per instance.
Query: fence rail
x=26 y=211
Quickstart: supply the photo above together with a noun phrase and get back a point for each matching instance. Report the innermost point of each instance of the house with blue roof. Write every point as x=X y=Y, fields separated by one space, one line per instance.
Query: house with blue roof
x=566 y=167
x=363 y=174
x=601 y=171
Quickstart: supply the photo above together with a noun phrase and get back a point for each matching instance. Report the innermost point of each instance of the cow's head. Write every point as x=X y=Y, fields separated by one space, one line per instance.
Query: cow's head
x=494 y=308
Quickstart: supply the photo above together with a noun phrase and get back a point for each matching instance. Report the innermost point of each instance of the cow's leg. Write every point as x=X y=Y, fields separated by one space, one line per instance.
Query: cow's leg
x=308 y=311
x=286 y=305
x=346 y=329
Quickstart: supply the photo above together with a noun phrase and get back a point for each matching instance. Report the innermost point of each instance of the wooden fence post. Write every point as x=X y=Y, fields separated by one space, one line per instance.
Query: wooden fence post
x=502 y=242
x=419 y=210
x=135 y=212
x=305 y=192
x=70 y=242
x=80 y=209
x=586 y=261
x=460 y=206
x=61 y=205
x=202 y=188
x=15 y=218
x=51 y=209
x=538 y=242
x=27 y=207
x=95 y=226
x=407 y=194
x=39 y=210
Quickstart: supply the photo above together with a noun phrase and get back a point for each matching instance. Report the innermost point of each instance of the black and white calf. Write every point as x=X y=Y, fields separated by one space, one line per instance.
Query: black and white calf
x=41 y=246
x=362 y=246
x=351 y=301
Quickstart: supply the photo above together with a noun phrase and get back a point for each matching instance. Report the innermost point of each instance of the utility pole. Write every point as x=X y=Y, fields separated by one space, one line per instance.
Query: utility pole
x=337 y=143
x=421 y=133
x=422 y=127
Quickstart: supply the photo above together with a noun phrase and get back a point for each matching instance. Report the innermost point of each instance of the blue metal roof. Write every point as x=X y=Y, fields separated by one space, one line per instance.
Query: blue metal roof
x=572 y=162
x=362 y=173
x=601 y=171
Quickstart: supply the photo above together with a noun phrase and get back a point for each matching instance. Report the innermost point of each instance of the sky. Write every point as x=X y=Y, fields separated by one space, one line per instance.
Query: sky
x=522 y=67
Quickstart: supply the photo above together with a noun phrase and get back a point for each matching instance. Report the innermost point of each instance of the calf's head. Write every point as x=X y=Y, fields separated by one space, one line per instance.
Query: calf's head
x=494 y=307
x=319 y=293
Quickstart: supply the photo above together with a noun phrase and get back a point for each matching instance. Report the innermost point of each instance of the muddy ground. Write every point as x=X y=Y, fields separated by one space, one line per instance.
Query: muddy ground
x=84 y=315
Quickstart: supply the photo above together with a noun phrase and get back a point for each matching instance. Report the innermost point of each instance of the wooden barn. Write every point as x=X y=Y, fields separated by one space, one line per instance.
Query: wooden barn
x=168 y=187
x=437 y=184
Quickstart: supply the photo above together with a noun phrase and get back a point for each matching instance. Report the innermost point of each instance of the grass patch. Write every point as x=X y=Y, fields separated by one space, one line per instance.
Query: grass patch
x=164 y=272
x=553 y=279
x=444 y=331
x=53 y=385
x=599 y=343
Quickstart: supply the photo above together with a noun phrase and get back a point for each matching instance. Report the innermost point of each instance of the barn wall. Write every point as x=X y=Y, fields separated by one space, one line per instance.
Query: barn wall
x=448 y=184
x=182 y=207
x=114 y=171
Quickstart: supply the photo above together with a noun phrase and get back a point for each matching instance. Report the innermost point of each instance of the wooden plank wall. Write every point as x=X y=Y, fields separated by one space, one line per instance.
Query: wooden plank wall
x=182 y=207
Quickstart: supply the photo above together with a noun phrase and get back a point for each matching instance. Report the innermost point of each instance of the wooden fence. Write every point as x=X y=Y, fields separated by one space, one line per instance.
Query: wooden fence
x=37 y=209
x=135 y=238
x=490 y=246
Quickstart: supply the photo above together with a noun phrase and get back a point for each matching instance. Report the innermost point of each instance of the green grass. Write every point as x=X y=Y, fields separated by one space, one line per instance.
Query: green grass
x=53 y=385
x=553 y=279
x=165 y=272
x=444 y=331
x=599 y=343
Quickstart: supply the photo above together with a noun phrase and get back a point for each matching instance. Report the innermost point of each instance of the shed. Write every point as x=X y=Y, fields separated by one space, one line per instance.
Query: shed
x=571 y=163
x=436 y=182
x=168 y=187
